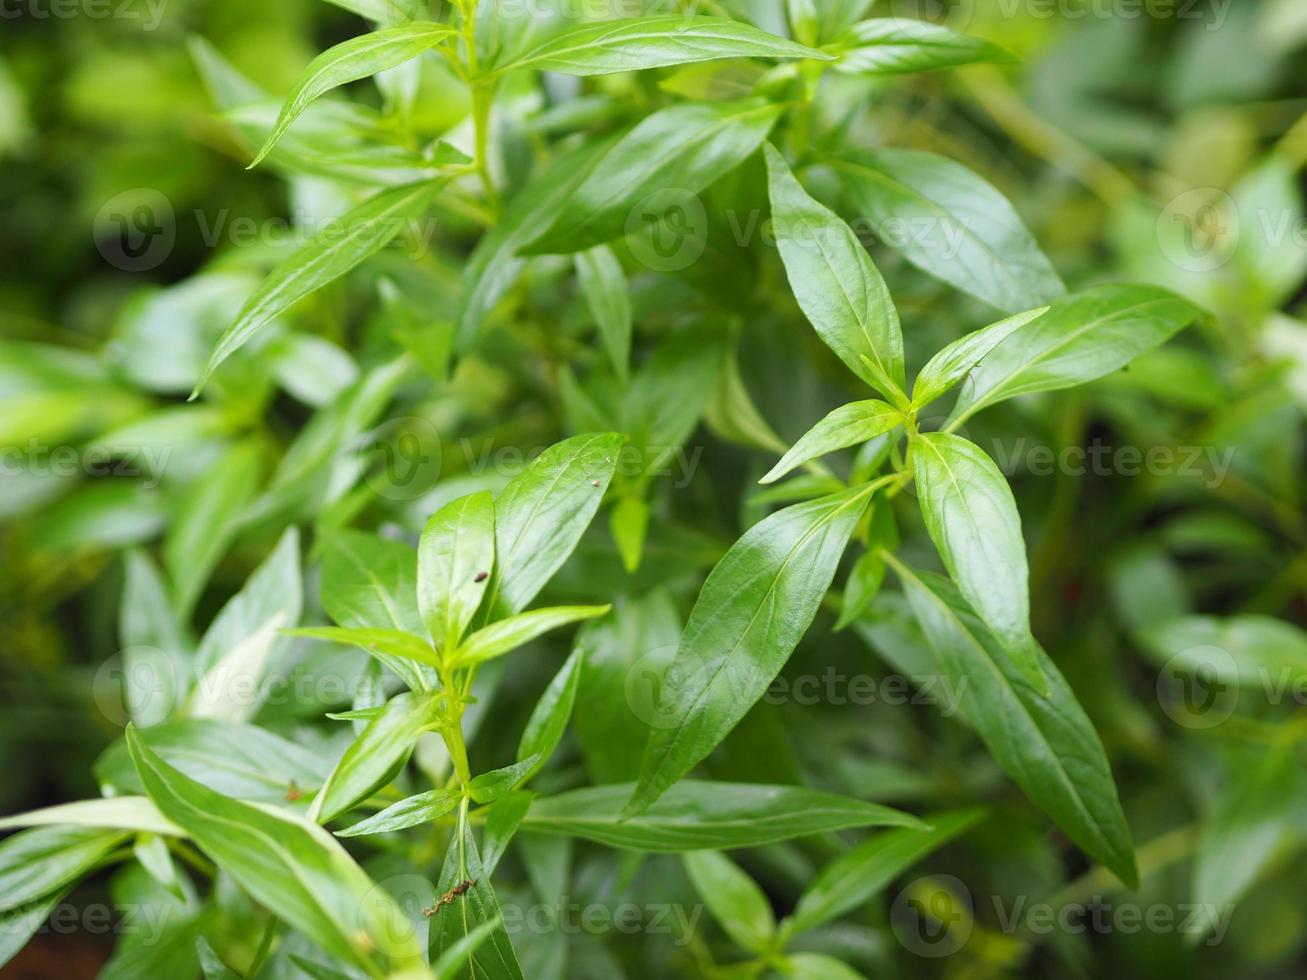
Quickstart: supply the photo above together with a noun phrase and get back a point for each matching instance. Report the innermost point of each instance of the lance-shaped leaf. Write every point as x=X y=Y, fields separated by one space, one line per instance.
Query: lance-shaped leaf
x=541 y=515
x=1079 y=339
x=653 y=42
x=336 y=249
x=603 y=284
x=456 y=555
x=955 y=361
x=544 y=729
x=972 y=518
x=854 y=878
x=849 y=425
x=290 y=866
x=680 y=150
x=468 y=912
x=1256 y=652
x=359 y=57
x=706 y=816
x=498 y=783
x=135 y=813
x=754 y=608
x=896 y=45
x=734 y=899
x=818 y=966
x=977 y=242
x=838 y=287
x=392 y=643
x=1044 y=742
x=375 y=756
x=499 y=638
x=36 y=862
x=409 y=812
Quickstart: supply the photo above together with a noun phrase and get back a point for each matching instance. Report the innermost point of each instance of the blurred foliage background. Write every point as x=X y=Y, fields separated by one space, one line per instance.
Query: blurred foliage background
x=1135 y=142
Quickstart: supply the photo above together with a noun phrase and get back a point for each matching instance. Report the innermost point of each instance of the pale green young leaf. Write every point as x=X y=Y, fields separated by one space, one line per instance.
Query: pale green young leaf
x=754 y=608
x=733 y=898
x=456 y=555
x=863 y=584
x=954 y=362
x=498 y=783
x=856 y=877
x=629 y=522
x=1081 y=338
x=972 y=518
x=22 y=923
x=603 y=284
x=336 y=249
x=134 y=813
x=1044 y=742
x=838 y=287
x=977 y=242
x=505 y=635
x=359 y=57
x=36 y=862
x=703 y=816
x=295 y=869
x=544 y=729
x=638 y=43
x=229 y=690
x=818 y=966
x=896 y=45
x=409 y=812
x=391 y=643
x=849 y=425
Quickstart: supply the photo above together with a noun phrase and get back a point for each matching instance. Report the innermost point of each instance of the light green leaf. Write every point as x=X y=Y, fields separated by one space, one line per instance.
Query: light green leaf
x=864 y=582
x=972 y=518
x=754 y=608
x=544 y=729
x=359 y=57
x=21 y=924
x=977 y=242
x=392 y=643
x=493 y=785
x=1255 y=652
x=134 y=813
x=336 y=249
x=653 y=42
x=849 y=425
x=854 y=878
x=818 y=966
x=954 y=362
x=838 y=287
x=896 y=45
x=733 y=898
x=36 y=862
x=456 y=555
x=419 y=809
x=1081 y=338
x=499 y=638
x=629 y=522
x=1045 y=743
x=699 y=816
x=493 y=958
x=295 y=869
x=603 y=284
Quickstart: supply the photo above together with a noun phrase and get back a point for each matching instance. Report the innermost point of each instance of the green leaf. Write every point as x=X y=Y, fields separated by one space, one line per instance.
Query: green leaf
x=1081 y=338
x=211 y=965
x=459 y=952
x=374 y=757
x=638 y=43
x=134 y=813
x=36 y=862
x=629 y=522
x=493 y=785
x=849 y=425
x=818 y=966
x=838 y=287
x=733 y=898
x=679 y=150
x=1045 y=743
x=503 y=817
x=954 y=362
x=493 y=958
x=336 y=249
x=410 y=812
x=506 y=635
x=699 y=816
x=603 y=284
x=544 y=729
x=977 y=242
x=864 y=582
x=21 y=924
x=456 y=555
x=1256 y=652
x=359 y=57
x=855 y=878
x=896 y=45
x=542 y=513
x=972 y=517
x=392 y=643
x=754 y=608
x=292 y=867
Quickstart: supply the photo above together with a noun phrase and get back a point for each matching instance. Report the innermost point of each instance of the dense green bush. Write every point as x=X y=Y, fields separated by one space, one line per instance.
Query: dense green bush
x=628 y=489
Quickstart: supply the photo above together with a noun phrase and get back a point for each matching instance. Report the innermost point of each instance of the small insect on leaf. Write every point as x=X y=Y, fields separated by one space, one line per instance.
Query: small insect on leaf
x=448 y=898
x=481 y=576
